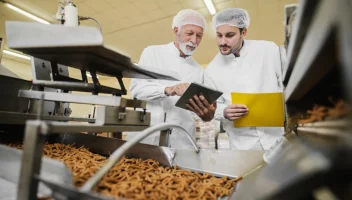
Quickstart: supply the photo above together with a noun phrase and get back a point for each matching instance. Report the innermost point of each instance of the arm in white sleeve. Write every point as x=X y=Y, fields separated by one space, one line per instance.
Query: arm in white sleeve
x=147 y=90
x=144 y=89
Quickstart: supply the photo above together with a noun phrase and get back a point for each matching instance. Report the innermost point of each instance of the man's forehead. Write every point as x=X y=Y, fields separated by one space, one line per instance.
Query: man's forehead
x=227 y=29
x=192 y=27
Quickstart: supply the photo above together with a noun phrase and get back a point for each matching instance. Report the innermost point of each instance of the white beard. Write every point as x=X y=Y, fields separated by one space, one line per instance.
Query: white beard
x=183 y=46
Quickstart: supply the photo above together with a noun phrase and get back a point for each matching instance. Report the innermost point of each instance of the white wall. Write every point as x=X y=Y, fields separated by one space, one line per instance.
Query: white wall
x=20 y=68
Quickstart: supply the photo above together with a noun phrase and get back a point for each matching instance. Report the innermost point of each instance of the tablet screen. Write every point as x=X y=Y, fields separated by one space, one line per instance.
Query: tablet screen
x=197 y=89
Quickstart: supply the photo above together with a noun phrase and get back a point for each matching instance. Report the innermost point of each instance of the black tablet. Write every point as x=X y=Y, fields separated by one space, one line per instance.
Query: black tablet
x=197 y=89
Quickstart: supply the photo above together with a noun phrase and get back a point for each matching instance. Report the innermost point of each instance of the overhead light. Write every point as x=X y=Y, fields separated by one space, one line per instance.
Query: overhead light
x=17 y=54
x=210 y=6
x=26 y=14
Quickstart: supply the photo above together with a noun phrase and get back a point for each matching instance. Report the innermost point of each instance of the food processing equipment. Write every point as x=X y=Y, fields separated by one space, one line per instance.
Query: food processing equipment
x=313 y=161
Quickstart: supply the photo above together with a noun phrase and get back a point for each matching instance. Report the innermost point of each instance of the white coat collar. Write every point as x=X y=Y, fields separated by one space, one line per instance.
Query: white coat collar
x=176 y=52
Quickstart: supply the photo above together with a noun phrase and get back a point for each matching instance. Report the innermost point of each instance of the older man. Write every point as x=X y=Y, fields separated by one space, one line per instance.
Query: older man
x=188 y=27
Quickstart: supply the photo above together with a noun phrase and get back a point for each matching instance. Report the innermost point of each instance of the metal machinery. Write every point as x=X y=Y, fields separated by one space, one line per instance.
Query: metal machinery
x=314 y=161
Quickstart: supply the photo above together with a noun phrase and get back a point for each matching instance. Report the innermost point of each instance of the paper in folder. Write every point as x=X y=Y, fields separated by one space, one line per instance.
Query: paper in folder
x=265 y=109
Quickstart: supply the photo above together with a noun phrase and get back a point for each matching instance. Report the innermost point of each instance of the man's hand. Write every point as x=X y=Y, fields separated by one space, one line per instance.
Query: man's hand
x=178 y=89
x=202 y=108
x=235 y=111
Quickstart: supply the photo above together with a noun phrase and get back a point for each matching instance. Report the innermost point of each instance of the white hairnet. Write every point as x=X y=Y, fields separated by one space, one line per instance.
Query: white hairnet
x=189 y=16
x=232 y=16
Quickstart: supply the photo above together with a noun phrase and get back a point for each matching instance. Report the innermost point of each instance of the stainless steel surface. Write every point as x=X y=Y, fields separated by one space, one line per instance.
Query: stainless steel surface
x=7 y=190
x=230 y=163
x=21 y=118
x=10 y=163
x=62 y=127
x=319 y=51
x=72 y=98
x=105 y=146
x=322 y=131
x=41 y=35
x=246 y=189
x=31 y=161
x=300 y=169
x=46 y=71
x=48 y=107
x=304 y=16
x=41 y=69
x=164 y=137
x=342 y=123
x=120 y=152
x=331 y=128
x=64 y=192
x=76 y=86
x=79 y=47
x=113 y=115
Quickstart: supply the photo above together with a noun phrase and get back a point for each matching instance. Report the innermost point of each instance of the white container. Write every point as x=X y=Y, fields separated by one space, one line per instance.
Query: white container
x=71 y=15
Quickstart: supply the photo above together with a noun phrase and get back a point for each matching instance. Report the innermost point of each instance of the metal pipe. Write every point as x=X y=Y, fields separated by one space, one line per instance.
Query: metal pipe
x=120 y=152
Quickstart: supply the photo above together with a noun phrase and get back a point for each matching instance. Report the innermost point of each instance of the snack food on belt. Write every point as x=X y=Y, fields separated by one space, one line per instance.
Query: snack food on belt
x=340 y=109
x=139 y=179
x=319 y=113
x=316 y=114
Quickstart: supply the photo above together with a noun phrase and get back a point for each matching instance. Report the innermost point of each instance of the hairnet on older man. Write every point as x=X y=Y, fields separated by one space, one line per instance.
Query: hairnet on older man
x=237 y=17
x=188 y=16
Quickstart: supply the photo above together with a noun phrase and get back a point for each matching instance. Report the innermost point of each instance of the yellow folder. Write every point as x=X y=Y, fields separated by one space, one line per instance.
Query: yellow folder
x=265 y=109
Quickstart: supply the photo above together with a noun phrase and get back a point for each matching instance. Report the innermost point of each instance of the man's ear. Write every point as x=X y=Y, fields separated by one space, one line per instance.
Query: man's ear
x=244 y=32
x=175 y=30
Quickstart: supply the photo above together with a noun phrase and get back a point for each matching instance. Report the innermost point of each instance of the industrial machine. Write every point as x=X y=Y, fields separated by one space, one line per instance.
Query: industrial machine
x=313 y=161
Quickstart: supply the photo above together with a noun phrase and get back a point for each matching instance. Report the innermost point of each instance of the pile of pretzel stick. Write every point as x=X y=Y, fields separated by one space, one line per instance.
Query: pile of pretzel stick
x=319 y=113
x=139 y=179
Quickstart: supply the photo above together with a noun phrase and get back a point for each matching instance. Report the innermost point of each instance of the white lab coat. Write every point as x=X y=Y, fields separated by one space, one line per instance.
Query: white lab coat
x=257 y=70
x=167 y=57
